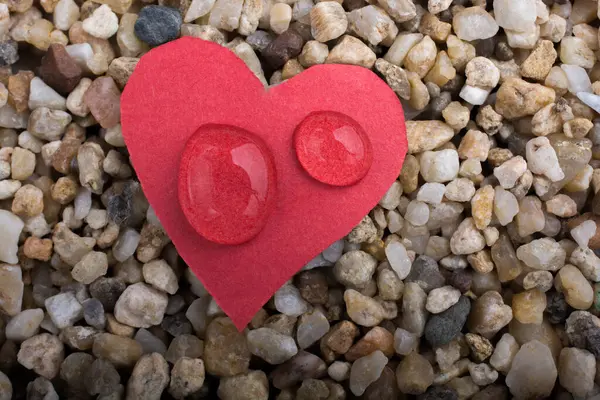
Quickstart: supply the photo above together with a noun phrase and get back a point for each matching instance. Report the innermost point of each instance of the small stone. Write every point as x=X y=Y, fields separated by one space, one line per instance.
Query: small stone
x=545 y=254
x=442 y=328
x=141 y=306
x=283 y=48
x=64 y=309
x=377 y=338
x=328 y=21
x=24 y=325
x=302 y=366
x=395 y=77
x=103 y=100
x=414 y=314
x=355 y=268
x=118 y=350
x=66 y=13
x=312 y=326
x=538 y=64
x=93 y=313
x=482 y=73
x=183 y=346
x=439 y=166
x=157 y=25
x=372 y=24
x=92 y=266
x=226 y=351
x=160 y=275
x=583 y=232
x=103 y=23
x=578 y=292
x=574 y=51
x=482 y=374
x=271 y=346
x=542 y=159
x=11 y=287
x=28 y=201
x=467 y=239
x=289 y=301
x=108 y=291
x=562 y=206
x=100 y=377
x=149 y=378
x=515 y=16
x=426 y=274
x=504 y=353
x=253 y=385
x=312 y=286
x=427 y=135
x=43 y=354
x=474 y=23
x=414 y=374
x=480 y=347
x=541 y=280
x=517 y=98
x=587 y=262
x=489 y=314
x=528 y=307
x=366 y=370
x=41 y=388
x=576 y=371
x=460 y=189
x=70 y=247
x=224 y=15
x=441 y=299
x=362 y=309
x=280 y=17
x=353 y=51
x=533 y=372
x=187 y=377
x=365 y=231
x=120 y=69
x=578 y=81
x=313 y=53
x=530 y=218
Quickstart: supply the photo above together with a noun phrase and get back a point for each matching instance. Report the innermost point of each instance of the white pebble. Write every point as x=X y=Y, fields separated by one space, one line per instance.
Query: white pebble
x=583 y=232
x=280 y=17
x=10 y=229
x=439 y=166
x=542 y=159
x=83 y=203
x=126 y=244
x=474 y=95
x=431 y=192
x=103 y=23
x=417 y=213
x=398 y=258
x=42 y=95
x=577 y=78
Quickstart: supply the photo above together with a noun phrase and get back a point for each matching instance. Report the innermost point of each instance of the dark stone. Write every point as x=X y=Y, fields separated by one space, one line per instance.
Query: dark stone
x=596 y=204
x=101 y=378
x=312 y=285
x=312 y=389
x=492 y=392
x=437 y=104
x=302 y=366
x=41 y=389
x=503 y=52
x=580 y=326
x=443 y=327
x=119 y=203
x=460 y=279
x=74 y=368
x=350 y=5
x=485 y=47
x=59 y=70
x=439 y=393
x=454 y=85
x=592 y=342
x=9 y=52
x=557 y=308
x=384 y=388
x=157 y=25
x=93 y=313
x=285 y=46
x=108 y=291
x=426 y=273
x=177 y=324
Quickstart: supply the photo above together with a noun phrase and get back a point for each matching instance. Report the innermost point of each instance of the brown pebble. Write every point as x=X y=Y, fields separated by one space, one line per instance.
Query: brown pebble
x=120 y=69
x=37 y=249
x=104 y=100
x=285 y=46
x=63 y=157
x=59 y=70
x=18 y=90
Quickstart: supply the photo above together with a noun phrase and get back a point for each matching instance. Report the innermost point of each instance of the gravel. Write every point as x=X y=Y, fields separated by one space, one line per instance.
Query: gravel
x=477 y=274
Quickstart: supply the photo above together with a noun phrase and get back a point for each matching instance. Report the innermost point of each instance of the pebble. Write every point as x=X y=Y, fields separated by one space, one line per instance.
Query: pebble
x=414 y=374
x=289 y=301
x=225 y=349
x=576 y=371
x=504 y=353
x=161 y=276
x=24 y=325
x=467 y=239
x=489 y=314
x=118 y=350
x=583 y=232
x=425 y=272
x=539 y=63
x=100 y=377
x=302 y=366
x=427 y=135
x=74 y=369
x=405 y=342
x=283 y=48
x=533 y=372
x=482 y=374
x=312 y=326
x=366 y=370
x=252 y=385
x=328 y=21
x=271 y=346
x=41 y=388
x=544 y=254
x=518 y=16
x=442 y=328
x=398 y=259
x=377 y=338
x=474 y=23
x=517 y=98
x=43 y=354
x=587 y=262
x=91 y=266
x=93 y=313
x=312 y=286
x=157 y=25
x=9 y=235
x=578 y=292
x=363 y=310
x=530 y=218
x=149 y=378
x=184 y=345
x=64 y=309
x=441 y=299
x=353 y=51
x=103 y=23
x=355 y=268
x=542 y=159
x=141 y=306
x=439 y=166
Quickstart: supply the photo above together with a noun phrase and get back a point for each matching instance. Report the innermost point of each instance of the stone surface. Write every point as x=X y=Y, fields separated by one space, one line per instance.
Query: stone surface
x=533 y=372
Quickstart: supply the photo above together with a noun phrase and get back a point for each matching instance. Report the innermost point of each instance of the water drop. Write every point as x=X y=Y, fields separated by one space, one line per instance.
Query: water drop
x=333 y=148
x=227 y=183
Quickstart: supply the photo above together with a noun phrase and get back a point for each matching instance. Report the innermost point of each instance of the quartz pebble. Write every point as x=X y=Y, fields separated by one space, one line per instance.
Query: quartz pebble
x=533 y=371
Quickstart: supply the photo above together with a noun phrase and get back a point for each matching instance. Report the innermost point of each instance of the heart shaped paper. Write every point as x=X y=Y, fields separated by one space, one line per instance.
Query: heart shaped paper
x=189 y=83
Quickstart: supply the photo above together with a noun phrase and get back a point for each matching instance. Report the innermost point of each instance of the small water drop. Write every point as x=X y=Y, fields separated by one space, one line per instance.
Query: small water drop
x=333 y=148
x=227 y=183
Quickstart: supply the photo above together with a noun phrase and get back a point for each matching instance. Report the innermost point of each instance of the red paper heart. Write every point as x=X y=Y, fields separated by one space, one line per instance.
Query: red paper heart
x=190 y=83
